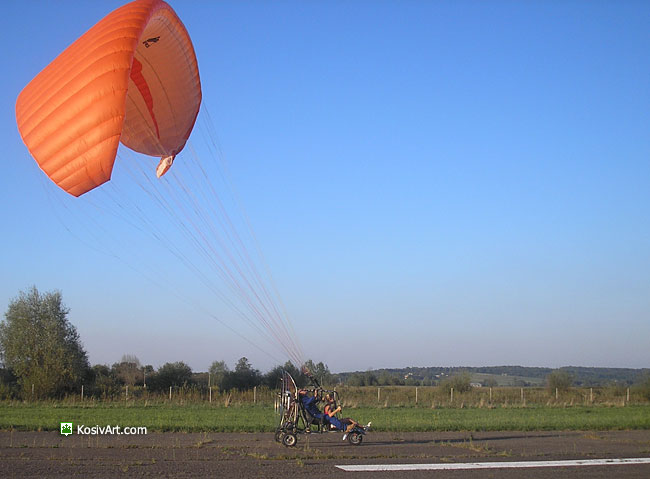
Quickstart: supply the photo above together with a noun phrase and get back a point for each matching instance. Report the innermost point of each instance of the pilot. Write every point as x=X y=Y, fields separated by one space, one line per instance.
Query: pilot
x=309 y=403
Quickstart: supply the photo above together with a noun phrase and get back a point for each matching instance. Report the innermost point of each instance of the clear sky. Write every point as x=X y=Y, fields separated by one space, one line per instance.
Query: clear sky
x=456 y=183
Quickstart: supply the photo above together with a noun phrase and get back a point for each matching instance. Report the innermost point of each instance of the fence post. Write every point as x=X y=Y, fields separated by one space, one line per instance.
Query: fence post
x=378 y=389
x=210 y=393
x=490 y=394
x=627 y=396
x=556 y=394
x=416 y=394
x=32 y=391
x=452 y=394
x=591 y=394
x=254 y=394
x=170 y=393
x=82 y=392
x=522 y=396
x=127 y=392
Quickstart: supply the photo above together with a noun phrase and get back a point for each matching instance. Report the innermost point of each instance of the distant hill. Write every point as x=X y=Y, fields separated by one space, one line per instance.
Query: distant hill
x=493 y=376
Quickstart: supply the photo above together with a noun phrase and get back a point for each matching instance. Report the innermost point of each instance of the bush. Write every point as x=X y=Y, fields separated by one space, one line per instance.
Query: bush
x=560 y=380
x=9 y=388
x=170 y=374
x=644 y=386
x=460 y=382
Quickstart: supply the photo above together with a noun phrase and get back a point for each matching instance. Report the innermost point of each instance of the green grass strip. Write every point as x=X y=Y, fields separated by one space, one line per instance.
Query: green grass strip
x=249 y=418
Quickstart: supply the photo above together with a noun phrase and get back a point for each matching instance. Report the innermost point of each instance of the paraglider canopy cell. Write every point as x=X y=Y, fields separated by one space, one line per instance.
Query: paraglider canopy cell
x=133 y=77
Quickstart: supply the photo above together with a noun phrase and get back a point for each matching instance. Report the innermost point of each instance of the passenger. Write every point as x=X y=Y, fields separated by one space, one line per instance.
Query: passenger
x=346 y=424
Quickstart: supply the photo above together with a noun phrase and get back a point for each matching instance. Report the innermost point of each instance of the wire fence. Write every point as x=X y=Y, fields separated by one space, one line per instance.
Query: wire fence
x=435 y=396
x=376 y=397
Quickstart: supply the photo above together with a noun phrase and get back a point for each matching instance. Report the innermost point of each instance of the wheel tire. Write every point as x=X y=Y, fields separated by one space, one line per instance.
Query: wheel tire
x=279 y=435
x=355 y=438
x=289 y=440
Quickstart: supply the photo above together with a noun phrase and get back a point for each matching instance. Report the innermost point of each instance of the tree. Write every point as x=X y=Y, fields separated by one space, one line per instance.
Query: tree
x=147 y=372
x=128 y=369
x=243 y=377
x=40 y=345
x=173 y=374
x=104 y=383
x=356 y=379
x=274 y=376
x=320 y=372
x=243 y=365
x=370 y=379
x=411 y=381
x=218 y=370
x=560 y=380
x=644 y=385
x=385 y=378
x=460 y=382
x=490 y=383
x=8 y=384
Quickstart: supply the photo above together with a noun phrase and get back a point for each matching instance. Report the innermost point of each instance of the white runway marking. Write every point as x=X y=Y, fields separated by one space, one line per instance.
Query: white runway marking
x=493 y=465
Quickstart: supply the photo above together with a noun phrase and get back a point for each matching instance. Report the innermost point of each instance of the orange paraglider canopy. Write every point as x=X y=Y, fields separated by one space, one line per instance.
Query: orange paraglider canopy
x=133 y=78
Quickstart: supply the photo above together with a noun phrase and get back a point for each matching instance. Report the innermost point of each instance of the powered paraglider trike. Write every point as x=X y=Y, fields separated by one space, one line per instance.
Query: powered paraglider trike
x=295 y=418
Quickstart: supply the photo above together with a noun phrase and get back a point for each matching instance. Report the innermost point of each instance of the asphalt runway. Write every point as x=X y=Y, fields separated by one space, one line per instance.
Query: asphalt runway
x=49 y=454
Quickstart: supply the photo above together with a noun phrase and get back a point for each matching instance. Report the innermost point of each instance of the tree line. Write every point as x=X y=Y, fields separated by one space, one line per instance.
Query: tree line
x=42 y=357
x=521 y=376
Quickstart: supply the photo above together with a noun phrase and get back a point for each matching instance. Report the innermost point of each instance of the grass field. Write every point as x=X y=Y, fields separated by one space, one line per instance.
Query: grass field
x=261 y=418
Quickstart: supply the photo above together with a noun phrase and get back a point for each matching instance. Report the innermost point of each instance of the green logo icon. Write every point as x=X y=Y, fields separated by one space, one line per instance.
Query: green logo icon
x=66 y=428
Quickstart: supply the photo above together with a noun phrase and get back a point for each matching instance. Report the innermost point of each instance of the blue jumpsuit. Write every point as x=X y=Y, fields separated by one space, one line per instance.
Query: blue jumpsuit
x=310 y=406
x=334 y=421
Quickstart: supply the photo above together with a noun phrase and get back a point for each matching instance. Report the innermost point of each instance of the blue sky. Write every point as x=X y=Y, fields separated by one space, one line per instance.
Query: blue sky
x=432 y=183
